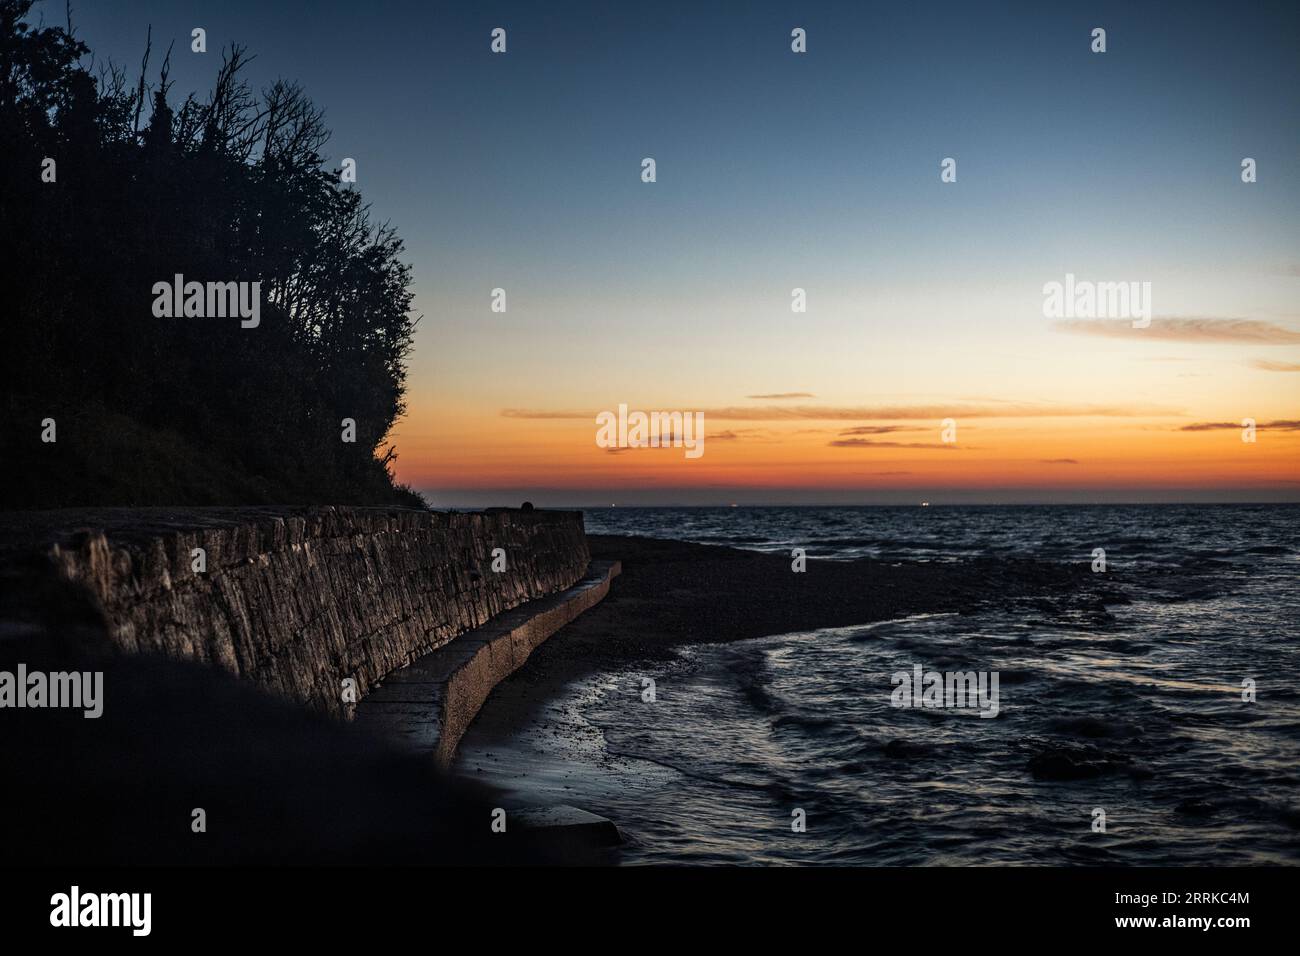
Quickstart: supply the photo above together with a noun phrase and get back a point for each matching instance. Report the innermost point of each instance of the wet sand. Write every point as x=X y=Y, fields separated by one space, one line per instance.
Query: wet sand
x=673 y=593
x=530 y=739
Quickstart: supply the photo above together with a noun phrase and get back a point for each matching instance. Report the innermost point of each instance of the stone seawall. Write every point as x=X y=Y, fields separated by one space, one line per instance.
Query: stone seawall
x=299 y=600
x=428 y=705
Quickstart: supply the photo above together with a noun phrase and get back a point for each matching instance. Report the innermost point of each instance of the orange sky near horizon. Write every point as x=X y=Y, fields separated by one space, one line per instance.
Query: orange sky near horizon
x=850 y=397
x=489 y=451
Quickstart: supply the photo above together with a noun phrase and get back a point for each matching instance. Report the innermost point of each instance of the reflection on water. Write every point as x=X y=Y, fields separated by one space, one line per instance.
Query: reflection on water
x=1139 y=713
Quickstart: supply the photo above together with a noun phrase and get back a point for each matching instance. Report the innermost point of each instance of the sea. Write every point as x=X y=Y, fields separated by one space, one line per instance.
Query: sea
x=1165 y=733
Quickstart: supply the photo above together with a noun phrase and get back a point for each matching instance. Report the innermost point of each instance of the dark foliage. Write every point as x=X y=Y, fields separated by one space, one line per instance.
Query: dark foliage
x=227 y=188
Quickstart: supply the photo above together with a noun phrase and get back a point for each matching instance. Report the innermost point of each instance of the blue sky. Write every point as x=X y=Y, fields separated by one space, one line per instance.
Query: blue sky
x=778 y=170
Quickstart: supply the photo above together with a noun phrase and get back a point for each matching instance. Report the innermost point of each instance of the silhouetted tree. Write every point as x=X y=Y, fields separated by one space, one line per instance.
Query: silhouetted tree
x=226 y=189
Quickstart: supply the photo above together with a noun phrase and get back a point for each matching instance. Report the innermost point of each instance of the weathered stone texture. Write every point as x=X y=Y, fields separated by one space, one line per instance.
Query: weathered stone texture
x=301 y=599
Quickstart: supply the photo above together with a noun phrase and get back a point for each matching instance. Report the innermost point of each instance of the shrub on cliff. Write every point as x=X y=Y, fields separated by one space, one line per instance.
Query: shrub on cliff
x=111 y=188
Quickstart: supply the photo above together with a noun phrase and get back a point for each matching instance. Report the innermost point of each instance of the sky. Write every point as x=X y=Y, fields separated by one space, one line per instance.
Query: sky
x=819 y=171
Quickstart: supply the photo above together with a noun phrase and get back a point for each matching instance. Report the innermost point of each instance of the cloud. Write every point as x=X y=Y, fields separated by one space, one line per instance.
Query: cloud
x=784 y=395
x=871 y=443
x=1059 y=461
x=877 y=429
x=539 y=413
x=934 y=413
x=1268 y=366
x=1281 y=425
x=1240 y=331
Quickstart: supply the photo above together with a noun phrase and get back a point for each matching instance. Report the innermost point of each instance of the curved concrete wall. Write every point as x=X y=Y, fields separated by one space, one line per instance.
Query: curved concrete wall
x=299 y=600
x=429 y=704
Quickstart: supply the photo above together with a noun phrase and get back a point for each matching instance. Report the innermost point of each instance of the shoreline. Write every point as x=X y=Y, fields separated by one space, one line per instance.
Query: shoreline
x=772 y=695
x=530 y=739
x=673 y=593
